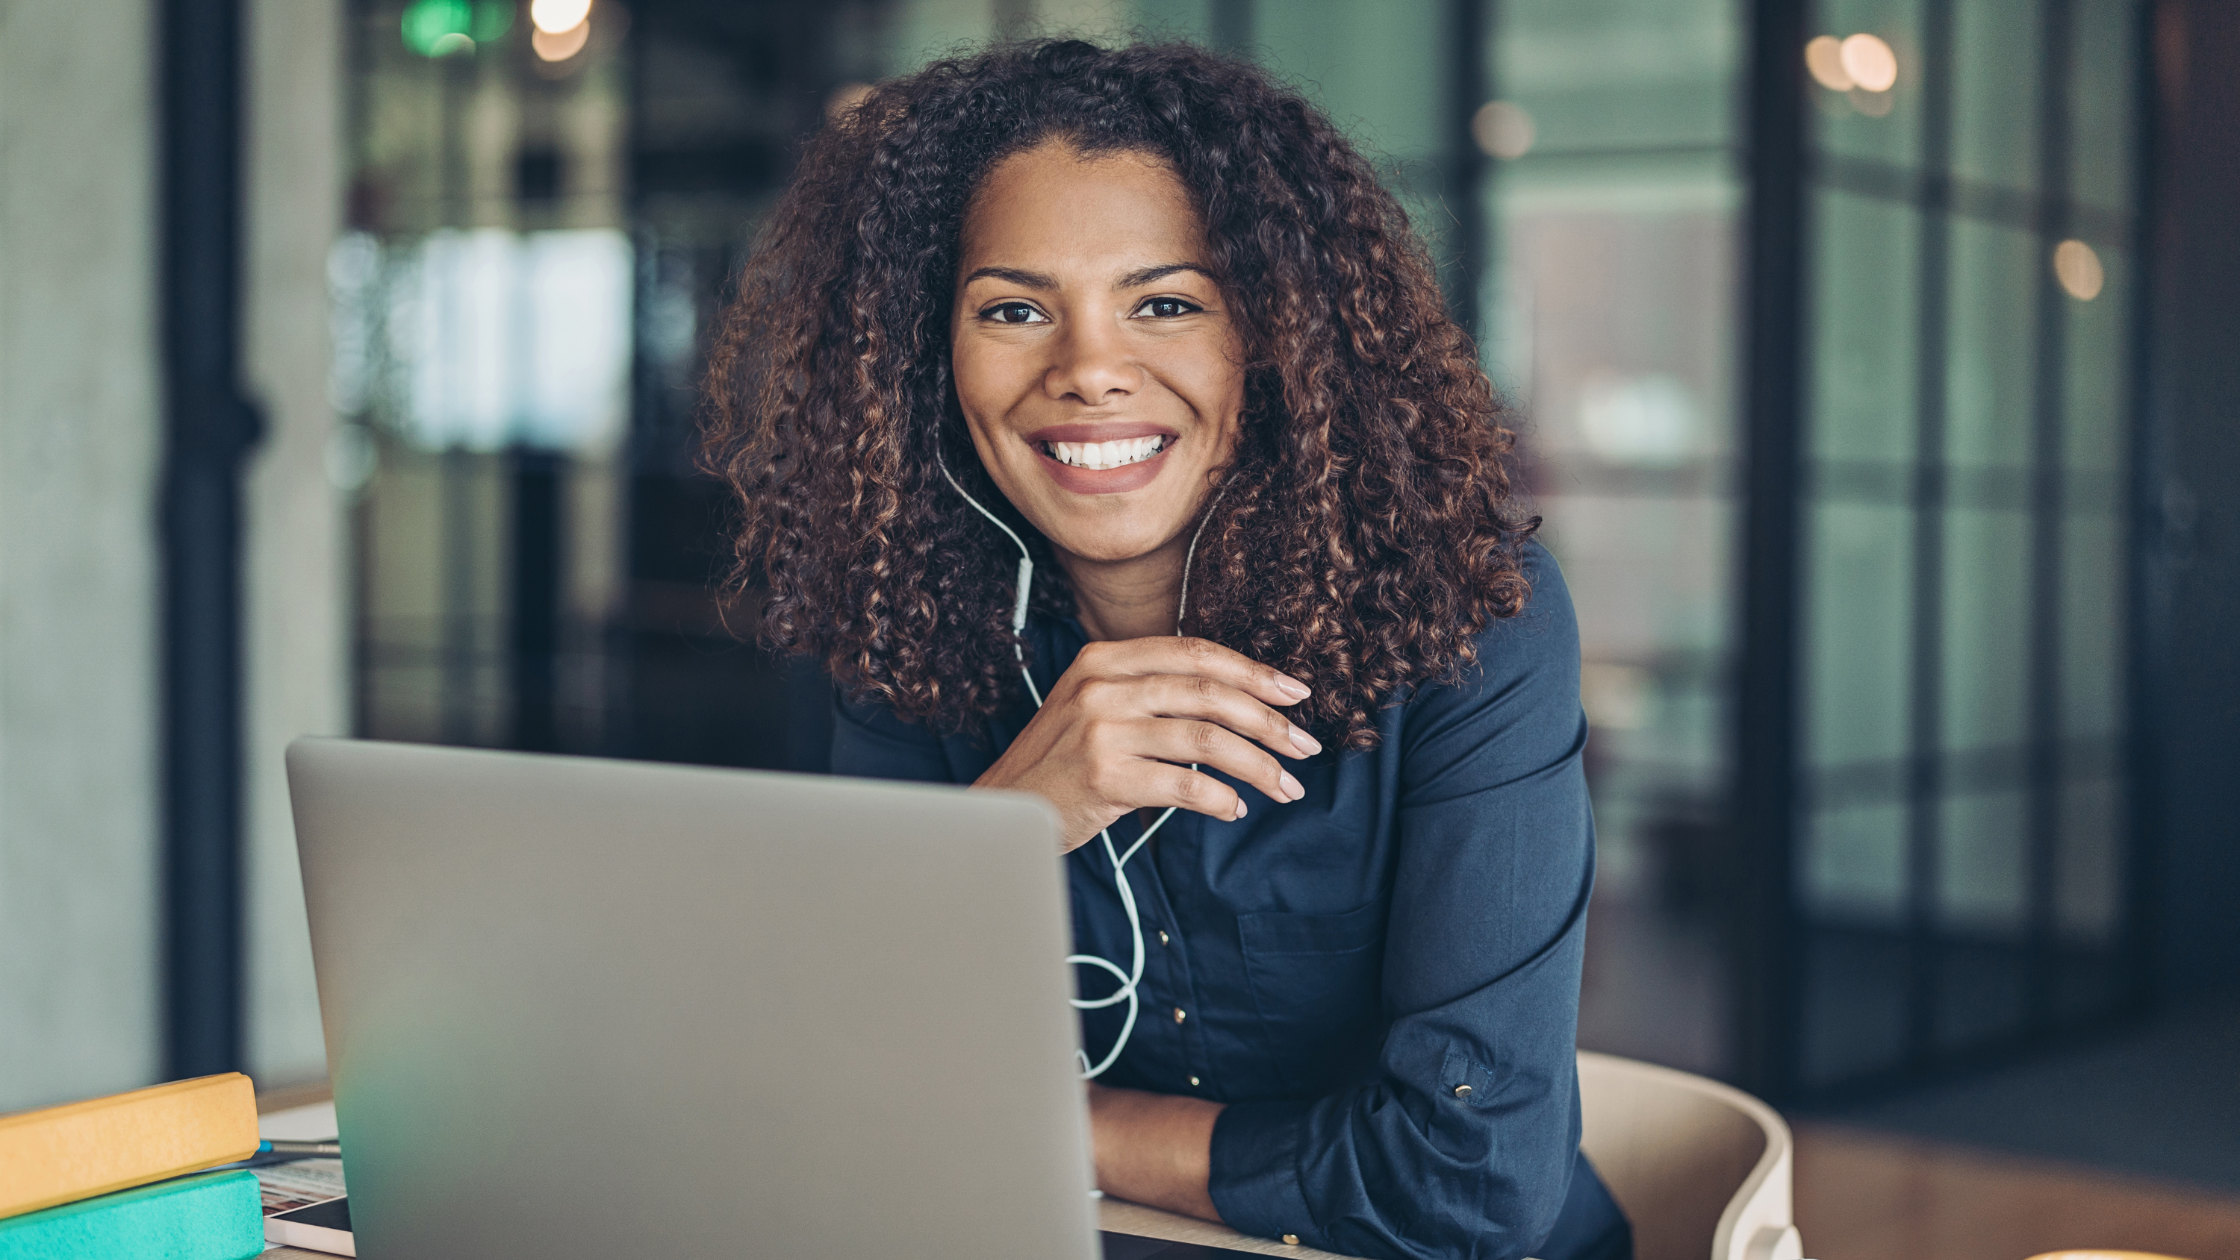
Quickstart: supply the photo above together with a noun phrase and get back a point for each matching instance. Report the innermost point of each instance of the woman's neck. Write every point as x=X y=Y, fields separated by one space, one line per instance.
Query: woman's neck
x=1127 y=599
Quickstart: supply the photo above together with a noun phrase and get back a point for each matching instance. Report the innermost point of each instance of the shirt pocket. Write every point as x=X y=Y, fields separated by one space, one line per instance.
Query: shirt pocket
x=1316 y=982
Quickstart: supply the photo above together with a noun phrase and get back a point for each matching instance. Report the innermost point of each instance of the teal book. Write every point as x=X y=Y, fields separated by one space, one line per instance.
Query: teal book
x=216 y=1216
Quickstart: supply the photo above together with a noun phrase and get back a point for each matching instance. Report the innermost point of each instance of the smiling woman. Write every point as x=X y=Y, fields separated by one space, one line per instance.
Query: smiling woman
x=1095 y=417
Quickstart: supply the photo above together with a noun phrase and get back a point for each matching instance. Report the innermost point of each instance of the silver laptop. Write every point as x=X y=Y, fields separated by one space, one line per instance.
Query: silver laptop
x=581 y=1008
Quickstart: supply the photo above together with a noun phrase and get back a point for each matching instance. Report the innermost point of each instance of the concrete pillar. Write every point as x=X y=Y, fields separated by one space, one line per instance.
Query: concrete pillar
x=80 y=446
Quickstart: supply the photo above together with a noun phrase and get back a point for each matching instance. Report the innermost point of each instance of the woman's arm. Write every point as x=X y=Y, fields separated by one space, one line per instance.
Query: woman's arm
x=1462 y=1140
x=1154 y=1148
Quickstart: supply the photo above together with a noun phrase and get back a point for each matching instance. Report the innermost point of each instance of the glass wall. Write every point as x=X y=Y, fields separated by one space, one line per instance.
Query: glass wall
x=1611 y=325
x=483 y=324
x=1962 y=840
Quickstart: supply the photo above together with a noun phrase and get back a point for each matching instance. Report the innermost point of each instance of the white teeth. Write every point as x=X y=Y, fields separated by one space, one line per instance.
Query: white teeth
x=1105 y=454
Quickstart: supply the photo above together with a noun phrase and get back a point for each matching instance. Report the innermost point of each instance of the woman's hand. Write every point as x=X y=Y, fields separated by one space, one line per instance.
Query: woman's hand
x=1126 y=722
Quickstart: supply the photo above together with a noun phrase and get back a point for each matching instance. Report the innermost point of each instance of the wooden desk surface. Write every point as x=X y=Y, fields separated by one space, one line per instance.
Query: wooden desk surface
x=306 y=1115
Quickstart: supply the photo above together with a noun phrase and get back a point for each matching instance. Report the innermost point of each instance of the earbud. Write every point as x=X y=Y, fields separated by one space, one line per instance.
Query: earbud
x=1131 y=978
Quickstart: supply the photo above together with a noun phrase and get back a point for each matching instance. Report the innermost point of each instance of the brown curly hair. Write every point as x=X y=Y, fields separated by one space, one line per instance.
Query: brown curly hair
x=1366 y=533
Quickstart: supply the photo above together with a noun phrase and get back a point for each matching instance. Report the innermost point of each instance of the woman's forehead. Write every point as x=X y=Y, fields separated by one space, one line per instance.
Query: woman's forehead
x=1053 y=206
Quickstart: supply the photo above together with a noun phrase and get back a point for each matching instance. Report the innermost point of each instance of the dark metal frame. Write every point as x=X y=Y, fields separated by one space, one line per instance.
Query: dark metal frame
x=2148 y=586
x=2185 y=942
x=2050 y=406
x=1765 y=795
x=1469 y=85
x=1230 y=25
x=1924 y=762
x=209 y=429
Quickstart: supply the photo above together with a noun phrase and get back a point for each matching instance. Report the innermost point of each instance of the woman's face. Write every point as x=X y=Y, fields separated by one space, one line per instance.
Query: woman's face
x=1094 y=357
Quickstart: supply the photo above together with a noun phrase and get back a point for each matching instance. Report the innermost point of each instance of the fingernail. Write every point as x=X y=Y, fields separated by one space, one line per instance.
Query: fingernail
x=1304 y=742
x=1292 y=788
x=1240 y=811
x=1292 y=687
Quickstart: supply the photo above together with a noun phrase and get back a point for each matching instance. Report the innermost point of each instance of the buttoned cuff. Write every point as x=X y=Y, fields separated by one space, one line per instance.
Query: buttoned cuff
x=1255 y=1179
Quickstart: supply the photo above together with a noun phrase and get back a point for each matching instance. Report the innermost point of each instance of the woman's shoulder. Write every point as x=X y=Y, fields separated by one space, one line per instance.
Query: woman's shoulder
x=1521 y=693
x=1542 y=636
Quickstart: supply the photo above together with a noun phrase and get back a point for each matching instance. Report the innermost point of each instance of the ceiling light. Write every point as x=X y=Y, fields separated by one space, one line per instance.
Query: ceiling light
x=2078 y=269
x=1869 y=62
x=1824 y=58
x=560 y=45
x=554 y=16
x=1503 y=130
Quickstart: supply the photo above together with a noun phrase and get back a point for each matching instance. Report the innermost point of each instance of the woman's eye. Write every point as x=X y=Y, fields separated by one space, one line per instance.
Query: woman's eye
x=1165 y=308
x=1012 y=313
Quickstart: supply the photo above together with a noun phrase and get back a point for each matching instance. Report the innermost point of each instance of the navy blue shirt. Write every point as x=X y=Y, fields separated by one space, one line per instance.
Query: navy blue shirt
x=1381 y=979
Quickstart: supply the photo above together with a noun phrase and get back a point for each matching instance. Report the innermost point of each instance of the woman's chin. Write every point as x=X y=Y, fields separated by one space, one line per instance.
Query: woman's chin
x=1099 y=543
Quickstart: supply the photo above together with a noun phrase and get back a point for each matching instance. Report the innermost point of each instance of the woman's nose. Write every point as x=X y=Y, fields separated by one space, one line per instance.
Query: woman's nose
x=1092 y=365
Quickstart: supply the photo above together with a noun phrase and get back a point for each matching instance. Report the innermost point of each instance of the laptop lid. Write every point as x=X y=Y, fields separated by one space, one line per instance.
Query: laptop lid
x=598 y=1008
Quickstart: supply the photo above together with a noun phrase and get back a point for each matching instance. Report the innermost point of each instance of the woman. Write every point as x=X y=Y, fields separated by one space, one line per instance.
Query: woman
x=1144 y=320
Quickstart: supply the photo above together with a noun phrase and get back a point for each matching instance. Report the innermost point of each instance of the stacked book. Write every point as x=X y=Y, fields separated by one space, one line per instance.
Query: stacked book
x=109 y=1177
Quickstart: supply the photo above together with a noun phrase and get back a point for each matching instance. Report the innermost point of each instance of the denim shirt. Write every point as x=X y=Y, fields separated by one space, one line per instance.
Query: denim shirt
x=1381 y=979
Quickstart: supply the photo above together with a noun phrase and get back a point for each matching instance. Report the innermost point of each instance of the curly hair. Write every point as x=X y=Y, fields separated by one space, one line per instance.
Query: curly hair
x=1366 y=532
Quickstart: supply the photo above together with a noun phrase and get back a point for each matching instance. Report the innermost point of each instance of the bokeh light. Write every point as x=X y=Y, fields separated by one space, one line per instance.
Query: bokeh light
x=1824 y=58
x=560 y=45
x=1869 y=62
x=554 y=17
x=441 y=28
x=2078 y=269
x=1503 y=130
x=429 y=23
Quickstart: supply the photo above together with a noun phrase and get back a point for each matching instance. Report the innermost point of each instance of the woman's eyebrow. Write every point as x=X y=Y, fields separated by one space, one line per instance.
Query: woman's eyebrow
x=1012 y=275
x=1152 y=275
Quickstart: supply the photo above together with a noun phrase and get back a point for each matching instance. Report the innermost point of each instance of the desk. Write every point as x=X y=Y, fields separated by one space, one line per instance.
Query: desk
x=316 y=1120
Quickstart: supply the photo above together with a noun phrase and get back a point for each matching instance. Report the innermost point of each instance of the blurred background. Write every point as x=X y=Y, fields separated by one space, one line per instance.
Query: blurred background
x=1875 y=362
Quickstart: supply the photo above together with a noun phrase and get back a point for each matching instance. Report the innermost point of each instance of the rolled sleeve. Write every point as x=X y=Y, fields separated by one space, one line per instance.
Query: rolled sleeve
x=1462 y=1142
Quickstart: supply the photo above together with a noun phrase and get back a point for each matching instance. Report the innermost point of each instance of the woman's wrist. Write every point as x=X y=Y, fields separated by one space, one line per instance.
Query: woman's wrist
x=1155 y=1149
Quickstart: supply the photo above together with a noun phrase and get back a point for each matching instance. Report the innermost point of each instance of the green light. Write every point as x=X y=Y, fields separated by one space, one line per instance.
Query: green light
x=492 y=19
x=435 y=28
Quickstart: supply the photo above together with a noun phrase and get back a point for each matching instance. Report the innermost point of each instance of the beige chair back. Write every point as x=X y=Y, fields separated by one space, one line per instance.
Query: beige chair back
x=1701 y=1169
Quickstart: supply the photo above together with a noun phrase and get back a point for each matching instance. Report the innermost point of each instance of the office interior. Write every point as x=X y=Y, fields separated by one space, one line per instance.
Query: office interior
x=1875 y=365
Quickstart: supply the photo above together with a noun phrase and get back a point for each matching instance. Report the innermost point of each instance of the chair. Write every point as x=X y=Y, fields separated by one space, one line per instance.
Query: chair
x=1700 y=1168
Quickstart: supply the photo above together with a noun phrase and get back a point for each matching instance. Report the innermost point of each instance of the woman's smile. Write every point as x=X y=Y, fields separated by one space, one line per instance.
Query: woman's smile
x=1103 y=457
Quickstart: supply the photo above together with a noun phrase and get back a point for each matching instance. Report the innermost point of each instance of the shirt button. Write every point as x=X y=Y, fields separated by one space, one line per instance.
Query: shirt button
x=1292 y=1239
x=1162 y=937
x=1193 y=1082
x=1180 y=1015
x=1462 y=1091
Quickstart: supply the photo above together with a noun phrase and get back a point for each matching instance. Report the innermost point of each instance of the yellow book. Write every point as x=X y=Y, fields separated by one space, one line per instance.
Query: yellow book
x=78 y=1150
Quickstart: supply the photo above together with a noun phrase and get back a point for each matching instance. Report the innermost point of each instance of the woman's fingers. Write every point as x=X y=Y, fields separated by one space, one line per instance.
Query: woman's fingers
x=1157 y=785
x=1179 y=741
x=1130 y=721
x=1201 y=657
x=1200 y=697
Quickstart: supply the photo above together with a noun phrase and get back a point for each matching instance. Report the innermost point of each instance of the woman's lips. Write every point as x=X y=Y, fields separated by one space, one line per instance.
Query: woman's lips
x=1119 y=480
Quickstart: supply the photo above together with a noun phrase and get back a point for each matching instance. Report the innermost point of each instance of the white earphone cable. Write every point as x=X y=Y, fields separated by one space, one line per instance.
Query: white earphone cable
x=1130 y=979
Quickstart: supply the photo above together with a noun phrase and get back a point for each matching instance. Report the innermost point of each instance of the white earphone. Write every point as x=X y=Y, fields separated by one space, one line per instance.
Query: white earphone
x=1131 y=978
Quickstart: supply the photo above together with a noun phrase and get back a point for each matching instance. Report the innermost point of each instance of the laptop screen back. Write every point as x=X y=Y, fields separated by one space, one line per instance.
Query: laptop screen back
x=597 y=1009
